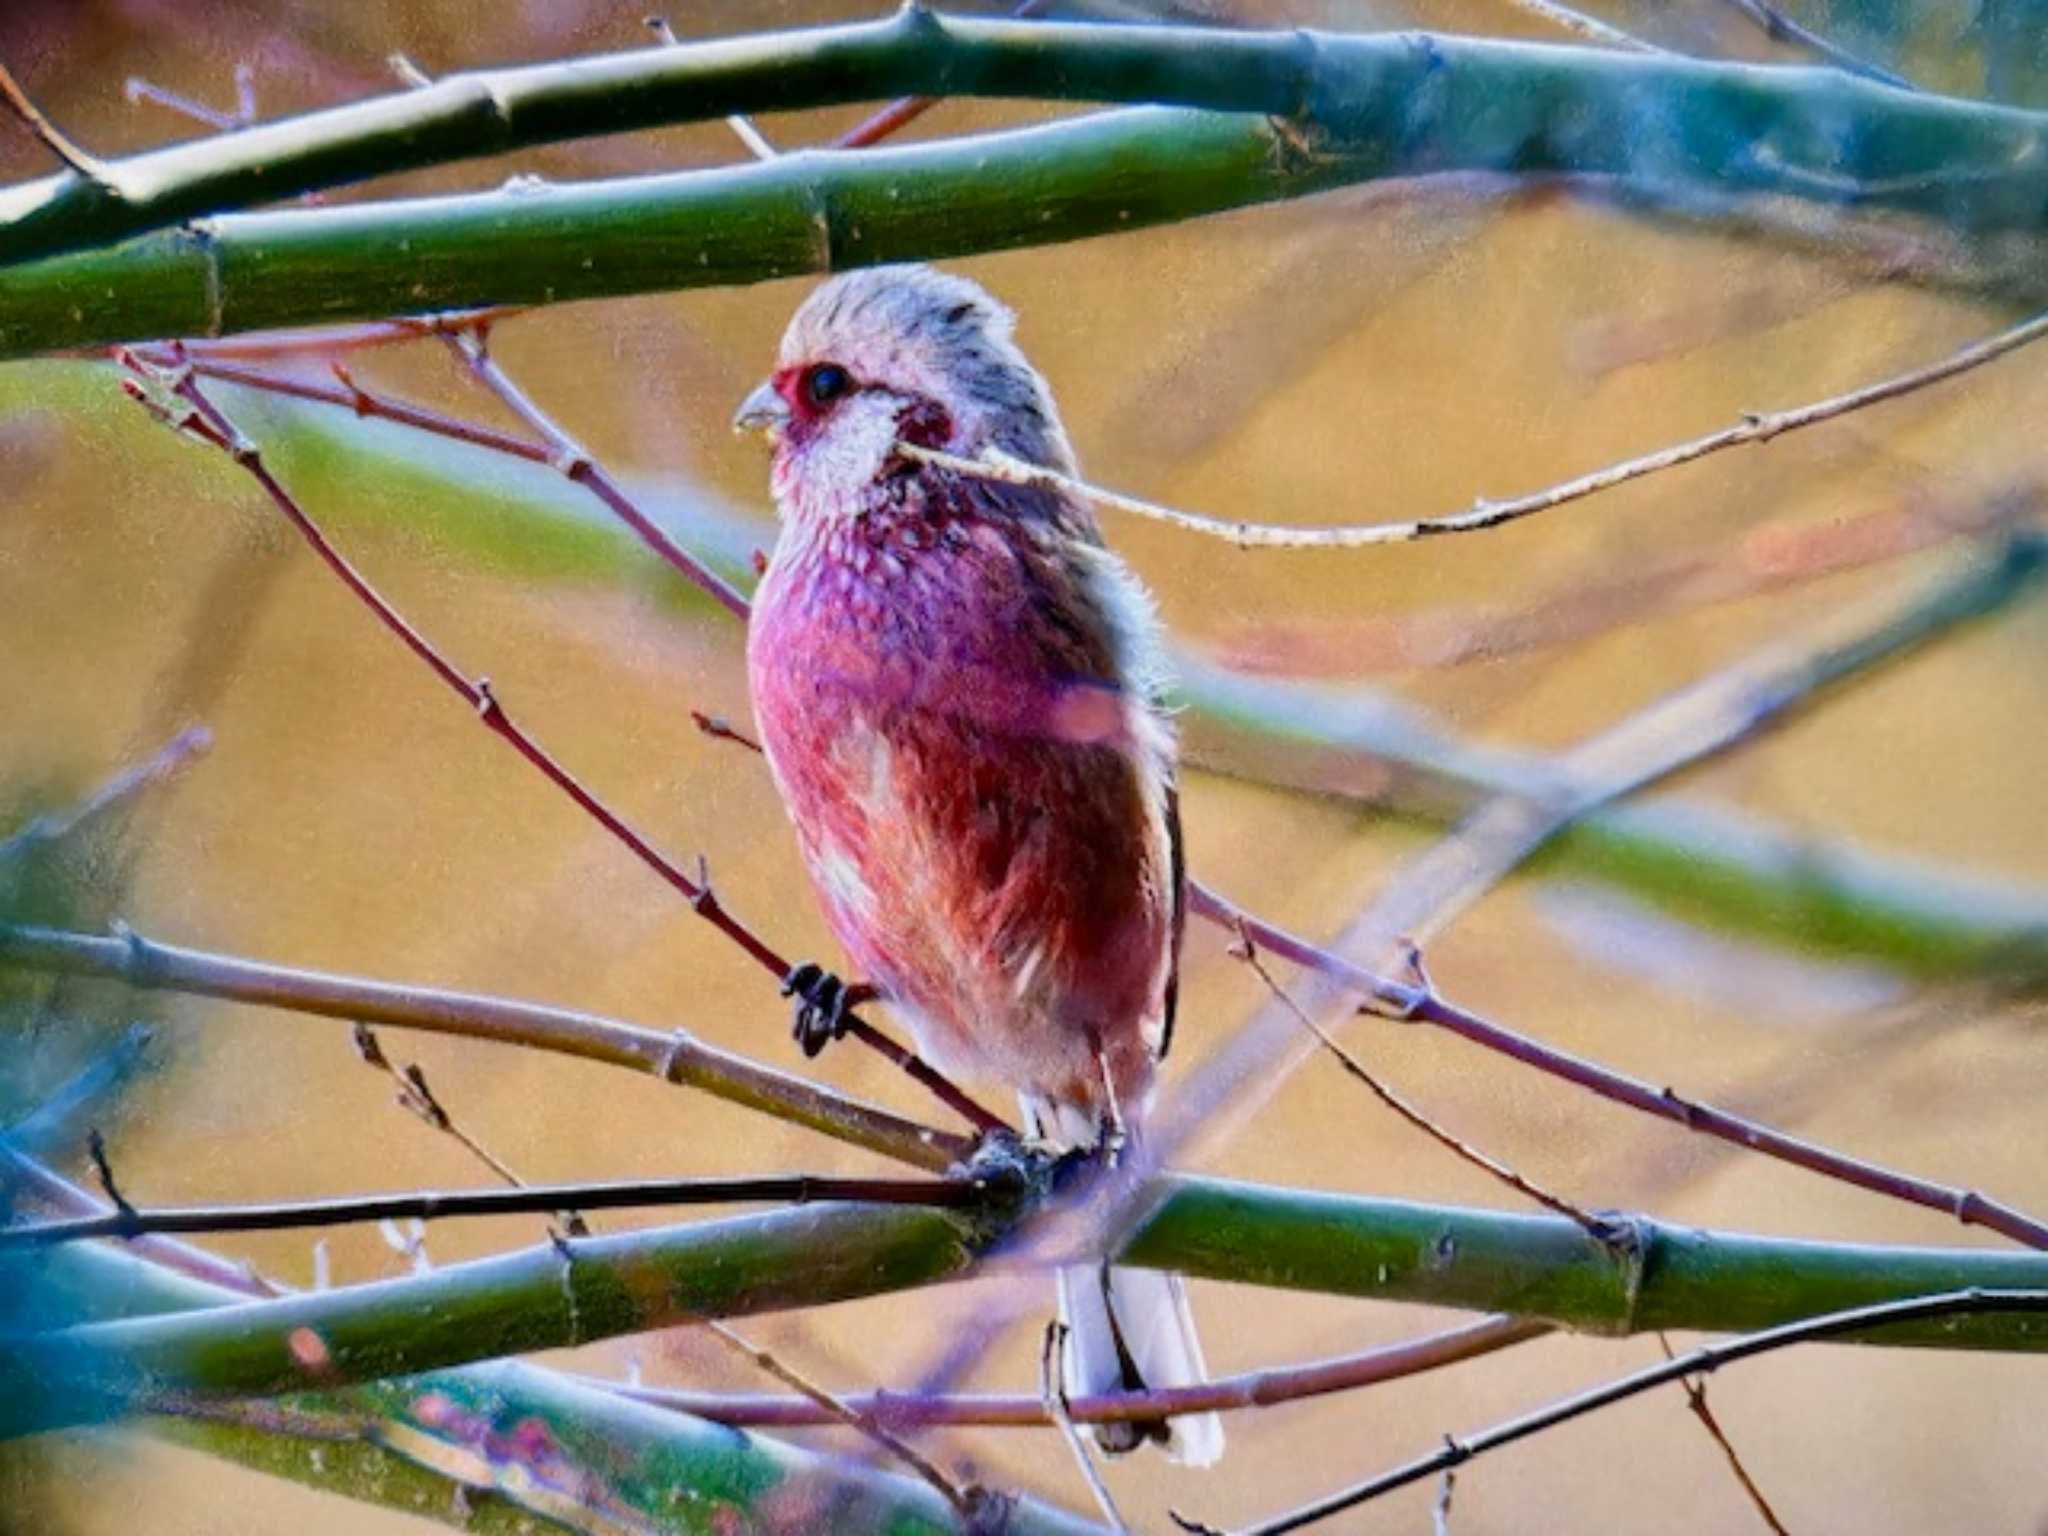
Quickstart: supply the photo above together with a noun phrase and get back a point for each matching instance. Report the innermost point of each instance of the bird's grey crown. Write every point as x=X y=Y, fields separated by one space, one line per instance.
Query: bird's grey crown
x=923 y=332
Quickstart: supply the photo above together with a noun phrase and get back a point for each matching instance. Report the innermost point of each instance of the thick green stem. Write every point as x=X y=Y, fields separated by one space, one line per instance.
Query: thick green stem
x=1305 y=113
x=545 y=1297
x=487 y=1448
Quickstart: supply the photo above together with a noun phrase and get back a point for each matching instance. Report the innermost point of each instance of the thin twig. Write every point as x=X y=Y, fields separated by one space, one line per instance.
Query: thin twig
x=326 y=341
x=742 y=126
x=418 y=1099
x=1767 y=558
x=1458 y=1450
x=1781 y=28
x=841 y=1412
x=91 y=167
x=1252 y=1389
x=994 y=464
x=525 y=1199
x=166 y=761
x=1052 y=1391
x=673 y=1055
x=576 y=465
x=1696 y=1400
x=1579 y=24
x=210 y=425
x=139 y=89
x=1602 y=1232
x=57 y=1193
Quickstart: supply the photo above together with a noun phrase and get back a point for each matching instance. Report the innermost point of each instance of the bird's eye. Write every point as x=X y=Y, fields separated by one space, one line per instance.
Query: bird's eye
x=826 y=383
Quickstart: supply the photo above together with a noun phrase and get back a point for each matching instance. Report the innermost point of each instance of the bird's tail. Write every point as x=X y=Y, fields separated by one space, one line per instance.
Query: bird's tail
x=1128 y=1330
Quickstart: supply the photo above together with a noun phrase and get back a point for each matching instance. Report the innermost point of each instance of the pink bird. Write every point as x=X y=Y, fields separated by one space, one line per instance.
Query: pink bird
x=957 y=687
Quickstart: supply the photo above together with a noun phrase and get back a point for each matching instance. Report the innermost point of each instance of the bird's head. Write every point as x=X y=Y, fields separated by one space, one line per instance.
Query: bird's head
x=896 y=354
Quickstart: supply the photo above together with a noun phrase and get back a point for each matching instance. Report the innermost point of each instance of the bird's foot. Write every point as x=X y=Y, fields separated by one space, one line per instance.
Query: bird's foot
x=824 y=1004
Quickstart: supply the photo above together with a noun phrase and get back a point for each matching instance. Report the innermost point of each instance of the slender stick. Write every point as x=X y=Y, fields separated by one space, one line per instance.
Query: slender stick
x=1709 y=1357
x=1052 y=1391
x=525 y=1199
x=89 y=168
x=672 y=1055
x=217 y=429
x=580 y=468
x=1579 y=24
x=1696 y=1401
x=166 y=761
x=1597 y=1228
x=1253 y=1389
x=1783 y=29
x=994 y=464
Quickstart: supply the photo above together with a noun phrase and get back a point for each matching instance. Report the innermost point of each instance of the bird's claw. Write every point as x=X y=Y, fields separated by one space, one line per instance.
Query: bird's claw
x=824 y=1004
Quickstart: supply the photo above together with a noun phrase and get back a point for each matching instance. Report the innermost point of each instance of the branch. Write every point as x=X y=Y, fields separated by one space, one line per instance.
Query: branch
x=577 y=1290
x=166 y=761
x=492 y=1449
x=1302 y=113
x=994 y=464
x=1710 y=1357
x=674 y=1056
x=1253 y=1389
x=126 y=1221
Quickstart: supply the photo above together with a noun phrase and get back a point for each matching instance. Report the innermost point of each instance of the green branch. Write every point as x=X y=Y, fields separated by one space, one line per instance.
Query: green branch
x=487 y=1448
x=550 y=1296
x=1305 y=113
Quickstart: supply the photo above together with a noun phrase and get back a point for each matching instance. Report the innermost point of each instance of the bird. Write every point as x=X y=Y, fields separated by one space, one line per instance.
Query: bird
x=959 y=690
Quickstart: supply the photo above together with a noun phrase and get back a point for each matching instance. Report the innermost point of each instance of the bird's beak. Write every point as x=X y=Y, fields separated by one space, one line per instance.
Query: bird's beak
x=763 y=411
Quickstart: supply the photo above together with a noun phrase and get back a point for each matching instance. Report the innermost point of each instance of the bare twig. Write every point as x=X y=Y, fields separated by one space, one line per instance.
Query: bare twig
x=842 y=1412
x=1579 y=24
x=418 y=1099
x=168 y=760
x=326 y=341
x=577 y=466
x=52 y=138
x=1781 y=28
x=994 y=464
x=672 y=1055
x=202 y=419
x=1603 y=1232
x=138 y=89
x=1767 y=558
x=1254 y=1389
x=525 y=1199
x=1709 y=1357
x=742 y=126
x=1696 y=1400
x=58 y=1194
x=1052 y=1391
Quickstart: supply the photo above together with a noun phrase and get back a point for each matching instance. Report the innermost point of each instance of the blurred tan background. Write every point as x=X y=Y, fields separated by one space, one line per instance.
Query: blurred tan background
x=1350 y=358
